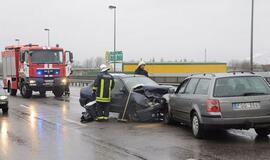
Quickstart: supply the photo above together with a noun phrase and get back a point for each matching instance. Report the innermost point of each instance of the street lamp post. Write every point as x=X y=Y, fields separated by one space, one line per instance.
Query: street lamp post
x=48 y=30
x=114 y=35
x=18 y=41
x=251 y=38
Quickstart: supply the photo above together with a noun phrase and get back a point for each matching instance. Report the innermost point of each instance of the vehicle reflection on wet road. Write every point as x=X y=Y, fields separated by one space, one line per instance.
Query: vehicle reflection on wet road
x=49 y=128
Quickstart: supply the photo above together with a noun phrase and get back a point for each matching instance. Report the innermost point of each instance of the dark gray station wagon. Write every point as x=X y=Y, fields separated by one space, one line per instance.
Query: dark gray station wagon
x=222 y=100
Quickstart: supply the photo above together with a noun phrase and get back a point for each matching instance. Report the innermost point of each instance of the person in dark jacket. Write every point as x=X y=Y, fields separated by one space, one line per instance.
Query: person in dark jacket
x=140 y=70
x=103 y=86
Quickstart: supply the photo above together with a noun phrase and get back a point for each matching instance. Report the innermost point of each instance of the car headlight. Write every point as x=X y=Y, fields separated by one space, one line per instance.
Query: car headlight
x=64 y=81
x=32 y=81
x=3 y=97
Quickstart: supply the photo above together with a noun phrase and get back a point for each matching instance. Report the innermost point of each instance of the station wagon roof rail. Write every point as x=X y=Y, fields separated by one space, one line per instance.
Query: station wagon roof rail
x=234 y=72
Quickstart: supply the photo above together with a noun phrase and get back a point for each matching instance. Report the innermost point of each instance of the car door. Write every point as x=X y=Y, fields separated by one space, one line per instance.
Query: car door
x=201 y=95
x=182 y=100
x=175 y=100
x=119 y=95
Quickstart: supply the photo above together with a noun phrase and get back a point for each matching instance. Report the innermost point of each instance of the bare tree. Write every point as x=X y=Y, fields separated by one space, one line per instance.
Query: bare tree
x=89 y=63
x=99 y=61
x=76 y=64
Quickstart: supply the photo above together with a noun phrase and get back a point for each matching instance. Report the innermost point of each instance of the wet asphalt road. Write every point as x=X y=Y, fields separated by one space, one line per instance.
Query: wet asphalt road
x=49 y=128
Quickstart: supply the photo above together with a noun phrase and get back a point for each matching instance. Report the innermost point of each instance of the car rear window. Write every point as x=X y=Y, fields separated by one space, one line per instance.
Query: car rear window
x=241 y=86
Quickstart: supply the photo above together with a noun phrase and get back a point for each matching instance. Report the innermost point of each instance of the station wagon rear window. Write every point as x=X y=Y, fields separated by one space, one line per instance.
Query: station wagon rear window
x=241 y=86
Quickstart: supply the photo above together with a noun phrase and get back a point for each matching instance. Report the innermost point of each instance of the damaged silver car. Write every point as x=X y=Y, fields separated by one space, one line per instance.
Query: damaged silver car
x=140 y=96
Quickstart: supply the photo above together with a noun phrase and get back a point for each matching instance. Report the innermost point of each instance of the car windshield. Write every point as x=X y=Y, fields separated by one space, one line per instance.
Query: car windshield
x=47 y=56
x=133 y=81
x=241 y=86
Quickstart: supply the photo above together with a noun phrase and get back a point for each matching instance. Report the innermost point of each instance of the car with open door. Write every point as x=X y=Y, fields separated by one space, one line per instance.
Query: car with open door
x=145 y=102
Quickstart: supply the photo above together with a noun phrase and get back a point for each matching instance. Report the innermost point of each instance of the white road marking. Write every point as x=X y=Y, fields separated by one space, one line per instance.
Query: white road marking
x=71 y=121
x=66 y=119
x=24 y=106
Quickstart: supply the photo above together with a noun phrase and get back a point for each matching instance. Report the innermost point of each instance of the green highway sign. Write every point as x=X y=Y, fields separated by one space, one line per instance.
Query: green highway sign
x=116 y=56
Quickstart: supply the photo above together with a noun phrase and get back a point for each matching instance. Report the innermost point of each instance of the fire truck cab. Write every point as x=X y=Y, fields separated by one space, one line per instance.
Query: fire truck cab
x=37 y=68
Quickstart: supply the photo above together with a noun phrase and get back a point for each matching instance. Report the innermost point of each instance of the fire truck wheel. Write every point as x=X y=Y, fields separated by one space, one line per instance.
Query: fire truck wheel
x=26 y=91
x=42 y=93
x=5 y=110
x=13 y=92
x=9 y=87
x=58 y=92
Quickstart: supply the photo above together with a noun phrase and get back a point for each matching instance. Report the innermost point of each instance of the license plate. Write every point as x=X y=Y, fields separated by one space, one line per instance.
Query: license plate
x=48 y=84
x=49 y=81
x=246 y=106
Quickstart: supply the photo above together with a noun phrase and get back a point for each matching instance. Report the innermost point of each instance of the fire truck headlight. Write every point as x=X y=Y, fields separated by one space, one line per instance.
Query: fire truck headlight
x=32 y=81
x=3 y=97
x=64 y=81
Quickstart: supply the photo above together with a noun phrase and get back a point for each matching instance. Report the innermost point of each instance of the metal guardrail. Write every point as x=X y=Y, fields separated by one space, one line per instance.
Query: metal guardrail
x=163 y=79
x=80 y=82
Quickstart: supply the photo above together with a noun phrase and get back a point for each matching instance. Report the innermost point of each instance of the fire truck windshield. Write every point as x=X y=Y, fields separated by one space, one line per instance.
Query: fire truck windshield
x=46 y=56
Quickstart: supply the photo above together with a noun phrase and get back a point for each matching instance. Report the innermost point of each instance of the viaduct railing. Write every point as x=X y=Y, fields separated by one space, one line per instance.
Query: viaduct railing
x=170 y=79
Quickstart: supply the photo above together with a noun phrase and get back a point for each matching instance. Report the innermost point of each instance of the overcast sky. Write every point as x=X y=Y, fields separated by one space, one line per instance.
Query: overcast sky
x=166 y=29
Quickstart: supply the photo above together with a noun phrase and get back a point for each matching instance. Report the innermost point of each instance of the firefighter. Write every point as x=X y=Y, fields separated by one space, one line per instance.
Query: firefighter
x=103 y=86
x=140 y=70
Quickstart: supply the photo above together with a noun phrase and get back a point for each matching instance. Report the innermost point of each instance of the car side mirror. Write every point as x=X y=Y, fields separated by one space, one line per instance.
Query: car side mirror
x=22 y=57
x=71 y=57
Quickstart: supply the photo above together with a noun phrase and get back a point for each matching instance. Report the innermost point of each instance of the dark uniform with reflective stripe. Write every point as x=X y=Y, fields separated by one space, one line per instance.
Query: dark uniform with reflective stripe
x=103 y=86
x=141 y=71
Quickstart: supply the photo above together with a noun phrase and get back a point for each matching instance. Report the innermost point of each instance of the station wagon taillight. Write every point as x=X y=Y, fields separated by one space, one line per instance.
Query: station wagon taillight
x=212 y=105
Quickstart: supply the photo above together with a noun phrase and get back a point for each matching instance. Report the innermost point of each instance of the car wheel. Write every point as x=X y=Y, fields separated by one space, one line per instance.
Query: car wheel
x=42 y=93
x=26 y=91
x=13 y=92
x=9 y=87
x=197 y=128
x=168 y=119
x=262 y=131
x=58 y=92
x=5 y=110
x=133 y=117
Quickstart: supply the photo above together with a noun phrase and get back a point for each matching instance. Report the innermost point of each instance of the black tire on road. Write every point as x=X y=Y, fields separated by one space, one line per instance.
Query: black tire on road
x=13 y=92
x=26 y=92
x=42 y=93
x=133 y=117
x=262 y=132
x=58 y=92
x=168 y=119
x=197 y=128
x=9 y=87
x=5 y=110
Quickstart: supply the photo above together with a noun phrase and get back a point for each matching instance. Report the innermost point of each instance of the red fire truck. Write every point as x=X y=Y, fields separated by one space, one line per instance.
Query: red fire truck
x=37 y=68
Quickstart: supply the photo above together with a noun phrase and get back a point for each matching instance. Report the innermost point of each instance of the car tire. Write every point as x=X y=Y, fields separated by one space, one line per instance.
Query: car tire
x=262 y=132
x=42 y=93
x=13 y=92
x=133 y=117
x=58 y=92
x=5 y=110
x=26 y=92
x=8 y=87
x=168 y=118
x=197 y=128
